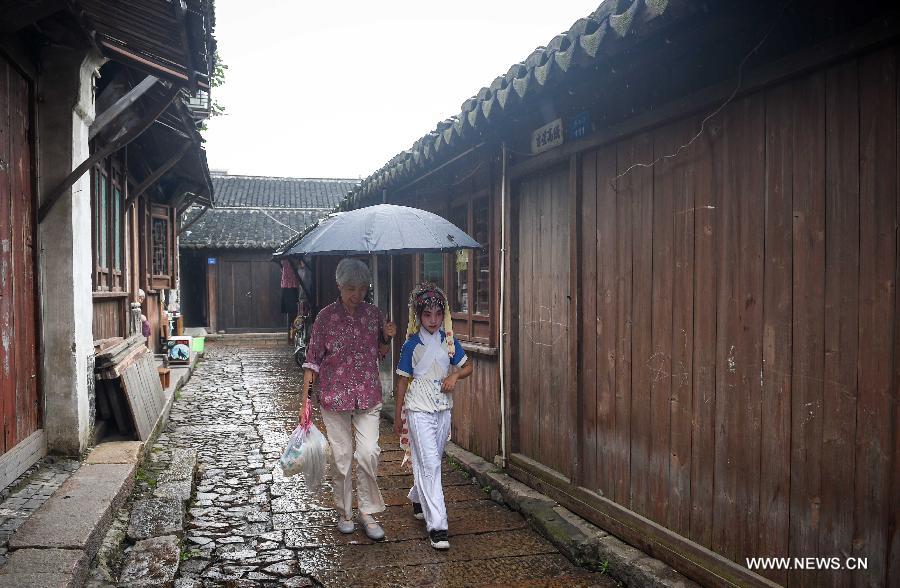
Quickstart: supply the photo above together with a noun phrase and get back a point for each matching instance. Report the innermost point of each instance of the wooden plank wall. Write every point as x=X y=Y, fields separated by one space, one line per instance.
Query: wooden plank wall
x=20 y=400
x=108 y=319
x=741 y=350
x=476 y=408
x=545 y=359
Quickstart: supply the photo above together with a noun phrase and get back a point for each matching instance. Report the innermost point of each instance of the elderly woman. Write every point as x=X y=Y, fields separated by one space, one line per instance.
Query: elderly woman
x=348 y=337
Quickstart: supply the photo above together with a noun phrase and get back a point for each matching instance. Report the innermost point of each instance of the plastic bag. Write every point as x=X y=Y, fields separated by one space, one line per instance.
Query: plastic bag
x=306 y=452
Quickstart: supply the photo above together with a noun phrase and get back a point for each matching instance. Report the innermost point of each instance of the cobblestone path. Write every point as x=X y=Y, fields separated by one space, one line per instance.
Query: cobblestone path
x=249 y=526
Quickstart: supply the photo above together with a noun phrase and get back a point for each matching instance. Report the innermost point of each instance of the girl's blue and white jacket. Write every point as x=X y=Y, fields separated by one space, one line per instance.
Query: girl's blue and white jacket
x=424 y=392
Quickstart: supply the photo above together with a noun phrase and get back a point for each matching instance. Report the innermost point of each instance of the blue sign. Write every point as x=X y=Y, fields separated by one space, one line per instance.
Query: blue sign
x=210 y=261
x=581 y=125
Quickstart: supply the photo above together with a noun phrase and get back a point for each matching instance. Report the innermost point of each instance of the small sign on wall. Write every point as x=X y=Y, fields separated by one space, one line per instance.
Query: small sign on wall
x=580 y=125
x=210 y=261
x=547 y=137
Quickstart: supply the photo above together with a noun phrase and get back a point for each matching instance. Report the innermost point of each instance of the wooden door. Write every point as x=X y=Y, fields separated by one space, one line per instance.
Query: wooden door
x=249 y=295
x=19 y=390
x=544 y=429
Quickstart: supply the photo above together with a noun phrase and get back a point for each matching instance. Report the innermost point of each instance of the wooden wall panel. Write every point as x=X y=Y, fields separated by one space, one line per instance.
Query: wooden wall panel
x=7 y=352
x=808 y=307
x=588 y=426
x=545 y=432
x=839 y=400
x=108 y=319
x=876 y=415
x=19 y=390
x=674 y=189
x=740 y=320
x=476 y=408
x=774 y=524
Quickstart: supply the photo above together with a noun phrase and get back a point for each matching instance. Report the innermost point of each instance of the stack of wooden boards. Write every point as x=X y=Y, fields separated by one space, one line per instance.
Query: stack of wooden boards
x=125 y=368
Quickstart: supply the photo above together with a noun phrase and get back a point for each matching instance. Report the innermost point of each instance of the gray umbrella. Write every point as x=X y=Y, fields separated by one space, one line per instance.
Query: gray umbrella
x=382 y=228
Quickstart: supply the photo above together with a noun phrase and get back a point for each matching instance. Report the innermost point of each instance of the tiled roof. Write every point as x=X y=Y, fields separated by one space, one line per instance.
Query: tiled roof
x=269 y=192
x=584 y=45
x=246 y=228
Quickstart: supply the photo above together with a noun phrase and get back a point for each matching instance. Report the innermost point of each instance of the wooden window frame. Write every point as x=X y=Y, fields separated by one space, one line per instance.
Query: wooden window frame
x=160 y=281
x=465 y=322
x=106 y=277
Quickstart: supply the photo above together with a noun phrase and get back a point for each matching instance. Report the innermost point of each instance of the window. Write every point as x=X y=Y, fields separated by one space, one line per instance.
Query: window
x=107 y=203
x=459 y=270
x=160 y=246
x=161 y=260
x=481 y=231
x=431 y=268
x=467 y=273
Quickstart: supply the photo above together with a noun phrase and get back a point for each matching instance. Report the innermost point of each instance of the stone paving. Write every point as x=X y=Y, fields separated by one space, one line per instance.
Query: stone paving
x=247 y=525
x=28 y=492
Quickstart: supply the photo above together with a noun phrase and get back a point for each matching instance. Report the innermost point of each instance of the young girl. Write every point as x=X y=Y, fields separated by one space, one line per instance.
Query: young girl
x=426 y=358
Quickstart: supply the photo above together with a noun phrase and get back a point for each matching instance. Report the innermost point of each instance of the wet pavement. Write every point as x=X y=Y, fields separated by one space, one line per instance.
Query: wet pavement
x=247 y=525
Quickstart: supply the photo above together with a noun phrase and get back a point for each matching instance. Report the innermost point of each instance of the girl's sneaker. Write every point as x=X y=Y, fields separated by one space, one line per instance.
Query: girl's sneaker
x=417 y=511
x=439 y=539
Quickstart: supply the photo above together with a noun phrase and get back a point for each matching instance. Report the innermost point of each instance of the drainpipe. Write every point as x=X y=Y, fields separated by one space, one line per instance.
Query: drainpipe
x=503 y=184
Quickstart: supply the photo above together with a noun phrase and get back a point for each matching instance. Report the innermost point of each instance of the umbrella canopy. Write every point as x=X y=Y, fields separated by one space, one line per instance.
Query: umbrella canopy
x=383 y=228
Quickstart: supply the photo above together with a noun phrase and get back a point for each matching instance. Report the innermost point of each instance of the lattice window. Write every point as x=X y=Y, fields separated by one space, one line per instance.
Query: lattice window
x=160 y=255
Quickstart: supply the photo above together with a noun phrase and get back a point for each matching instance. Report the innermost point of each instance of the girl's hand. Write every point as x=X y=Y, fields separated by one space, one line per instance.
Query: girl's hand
x=449 y=383
x=398 y=425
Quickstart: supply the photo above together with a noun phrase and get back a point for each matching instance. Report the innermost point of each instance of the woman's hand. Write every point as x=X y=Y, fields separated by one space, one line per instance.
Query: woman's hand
x=398 y=425
x=449 y=383
x=389 y=329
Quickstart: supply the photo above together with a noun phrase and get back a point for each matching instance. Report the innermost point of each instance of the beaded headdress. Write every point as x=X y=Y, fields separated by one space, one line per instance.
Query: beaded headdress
x=425 y=295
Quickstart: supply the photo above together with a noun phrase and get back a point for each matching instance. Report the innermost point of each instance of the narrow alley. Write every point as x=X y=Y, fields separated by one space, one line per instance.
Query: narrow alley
x=249 y=526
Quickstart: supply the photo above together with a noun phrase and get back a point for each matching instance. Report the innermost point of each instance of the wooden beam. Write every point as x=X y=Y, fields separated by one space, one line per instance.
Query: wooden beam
x=156 y=174
x=121 y=105
x=121 y=139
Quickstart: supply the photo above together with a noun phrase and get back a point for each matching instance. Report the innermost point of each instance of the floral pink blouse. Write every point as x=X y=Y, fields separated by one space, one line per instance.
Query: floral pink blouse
x=343 y=350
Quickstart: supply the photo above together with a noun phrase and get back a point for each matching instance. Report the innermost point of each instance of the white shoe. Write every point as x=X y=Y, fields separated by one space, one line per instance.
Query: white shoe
x=371 y=527
x=346 y=527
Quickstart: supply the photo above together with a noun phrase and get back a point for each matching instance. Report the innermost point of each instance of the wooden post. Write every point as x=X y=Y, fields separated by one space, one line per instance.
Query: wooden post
x=212 y=274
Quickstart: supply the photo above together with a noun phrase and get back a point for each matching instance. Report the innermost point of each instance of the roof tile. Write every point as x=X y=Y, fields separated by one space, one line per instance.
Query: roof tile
x=275 y=192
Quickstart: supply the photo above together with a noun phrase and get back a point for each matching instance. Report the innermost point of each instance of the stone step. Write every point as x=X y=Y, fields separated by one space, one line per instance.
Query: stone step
x=58 y=541
x=45 y=568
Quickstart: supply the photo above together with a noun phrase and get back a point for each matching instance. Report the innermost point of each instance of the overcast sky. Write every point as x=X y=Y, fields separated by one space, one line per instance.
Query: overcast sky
x=336 y=88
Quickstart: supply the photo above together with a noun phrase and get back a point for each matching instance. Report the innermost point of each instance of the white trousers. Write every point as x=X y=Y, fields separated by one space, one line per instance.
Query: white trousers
x=428 y=433
x=340 y=428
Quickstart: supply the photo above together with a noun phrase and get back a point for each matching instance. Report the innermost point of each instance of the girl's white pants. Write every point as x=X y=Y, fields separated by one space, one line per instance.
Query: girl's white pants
x=428 y=432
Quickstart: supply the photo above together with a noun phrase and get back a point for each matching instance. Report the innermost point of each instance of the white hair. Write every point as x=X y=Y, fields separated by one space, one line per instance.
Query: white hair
x=352 y=272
